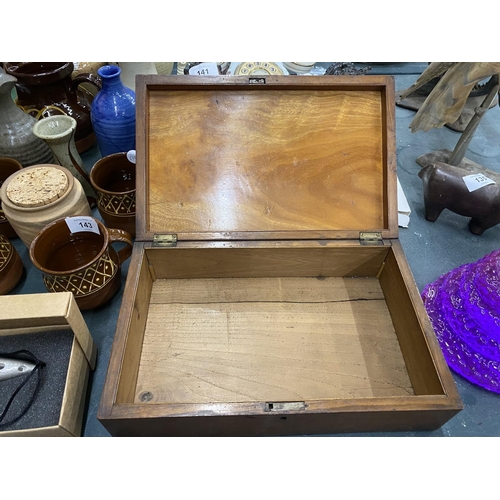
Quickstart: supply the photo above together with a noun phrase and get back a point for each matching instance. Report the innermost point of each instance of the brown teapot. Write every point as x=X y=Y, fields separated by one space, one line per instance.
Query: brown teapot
x=46 y=88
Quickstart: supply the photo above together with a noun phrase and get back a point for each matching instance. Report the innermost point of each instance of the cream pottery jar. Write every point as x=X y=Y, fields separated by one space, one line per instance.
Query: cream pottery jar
x=37 y=195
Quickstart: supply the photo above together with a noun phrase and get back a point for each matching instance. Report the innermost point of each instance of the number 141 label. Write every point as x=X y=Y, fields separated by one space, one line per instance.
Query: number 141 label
x=82 y=224
x=208 y=68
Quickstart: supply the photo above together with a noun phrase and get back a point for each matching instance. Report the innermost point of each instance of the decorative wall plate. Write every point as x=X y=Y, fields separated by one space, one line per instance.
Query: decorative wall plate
x=259 y=68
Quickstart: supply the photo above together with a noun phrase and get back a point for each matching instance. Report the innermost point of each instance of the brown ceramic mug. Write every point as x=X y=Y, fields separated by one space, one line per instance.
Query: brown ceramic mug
x=79 y=260
x=8 y=166
x=11 y=266
x=113 y=179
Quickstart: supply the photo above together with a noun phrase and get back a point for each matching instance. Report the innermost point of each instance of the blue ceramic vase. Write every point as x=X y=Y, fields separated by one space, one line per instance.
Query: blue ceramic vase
x=113 y=113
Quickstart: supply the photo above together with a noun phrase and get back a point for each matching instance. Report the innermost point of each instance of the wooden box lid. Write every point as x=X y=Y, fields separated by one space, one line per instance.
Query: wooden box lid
x=267 y=158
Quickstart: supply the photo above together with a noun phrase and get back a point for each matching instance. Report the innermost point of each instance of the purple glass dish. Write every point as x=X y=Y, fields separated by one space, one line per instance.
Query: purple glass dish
x=469 y=345
x=478 y=310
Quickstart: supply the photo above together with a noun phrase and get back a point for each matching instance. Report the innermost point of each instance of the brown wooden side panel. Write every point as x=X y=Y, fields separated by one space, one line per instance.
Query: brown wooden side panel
x=138 y=316
x=267 y=261
x=389 y=159
x=280 y=425
x=426 y=366
x=127 y=345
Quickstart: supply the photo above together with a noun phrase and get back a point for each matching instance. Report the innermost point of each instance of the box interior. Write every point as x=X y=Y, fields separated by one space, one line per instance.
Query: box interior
x=275 y=324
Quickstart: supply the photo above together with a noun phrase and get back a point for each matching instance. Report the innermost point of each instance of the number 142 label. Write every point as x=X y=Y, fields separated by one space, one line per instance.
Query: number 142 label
x=82 y=224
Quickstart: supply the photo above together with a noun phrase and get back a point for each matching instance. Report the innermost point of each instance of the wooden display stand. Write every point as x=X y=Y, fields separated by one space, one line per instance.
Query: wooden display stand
x=457 y=156
x=21 y=314
x=267 y=292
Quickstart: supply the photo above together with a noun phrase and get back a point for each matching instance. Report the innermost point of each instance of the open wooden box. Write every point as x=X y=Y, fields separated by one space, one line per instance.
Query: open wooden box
x=267 y=292
x=44 y=312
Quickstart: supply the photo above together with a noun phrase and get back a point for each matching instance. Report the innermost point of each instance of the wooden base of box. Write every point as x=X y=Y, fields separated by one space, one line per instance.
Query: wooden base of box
x=268 y=338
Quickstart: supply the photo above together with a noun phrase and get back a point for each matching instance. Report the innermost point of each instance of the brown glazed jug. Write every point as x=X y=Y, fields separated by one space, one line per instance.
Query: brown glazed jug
x=46 y=89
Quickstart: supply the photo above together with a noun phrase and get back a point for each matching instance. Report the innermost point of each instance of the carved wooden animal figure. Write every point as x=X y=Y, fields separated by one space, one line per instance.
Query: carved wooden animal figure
x=469 y=191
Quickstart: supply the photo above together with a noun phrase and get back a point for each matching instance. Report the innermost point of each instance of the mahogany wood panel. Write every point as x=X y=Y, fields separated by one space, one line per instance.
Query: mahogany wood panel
x=137 y=298
x=265 y=161
x=126 y=350
x=423 y=357
x=331 y=416
x=267 y=259
x=217 y=158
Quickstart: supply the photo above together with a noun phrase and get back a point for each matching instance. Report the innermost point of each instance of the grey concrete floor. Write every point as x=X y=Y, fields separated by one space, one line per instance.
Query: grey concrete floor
x=431 y=249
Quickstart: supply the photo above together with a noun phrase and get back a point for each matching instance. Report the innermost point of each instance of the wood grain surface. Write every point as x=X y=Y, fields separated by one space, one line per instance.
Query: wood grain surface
x=245 y=160
x=272 y=339
x=267 y=259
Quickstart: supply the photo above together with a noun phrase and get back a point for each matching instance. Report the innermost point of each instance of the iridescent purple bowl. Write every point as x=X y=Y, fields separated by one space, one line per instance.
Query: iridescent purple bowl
x=469 y=344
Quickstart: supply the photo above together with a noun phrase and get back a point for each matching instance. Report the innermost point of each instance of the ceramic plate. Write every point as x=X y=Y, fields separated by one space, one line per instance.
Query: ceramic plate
x=256 y=68
x=299 y=67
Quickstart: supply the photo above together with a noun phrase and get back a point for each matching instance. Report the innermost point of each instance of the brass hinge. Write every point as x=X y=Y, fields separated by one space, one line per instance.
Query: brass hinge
x=165 y=240
x=367 y=238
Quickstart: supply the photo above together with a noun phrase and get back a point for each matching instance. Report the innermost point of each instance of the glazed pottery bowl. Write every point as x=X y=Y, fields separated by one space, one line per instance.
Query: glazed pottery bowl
x=113 y=179
x=81 y=260
x=11 y=266
x=8 y=166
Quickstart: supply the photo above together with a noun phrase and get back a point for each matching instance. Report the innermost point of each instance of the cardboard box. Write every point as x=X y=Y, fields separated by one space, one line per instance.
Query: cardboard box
x=48 y=312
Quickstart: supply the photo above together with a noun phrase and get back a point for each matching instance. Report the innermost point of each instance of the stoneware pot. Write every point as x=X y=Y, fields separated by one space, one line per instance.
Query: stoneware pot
x=35 y=196
x=81 y=262
x=113 y=178
x=46 y=89
x=59 y=134
x=113 y=113
x=131 y=69
x=16 y=129
x=11 y=266
x=164 y=68
x=8 y=166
